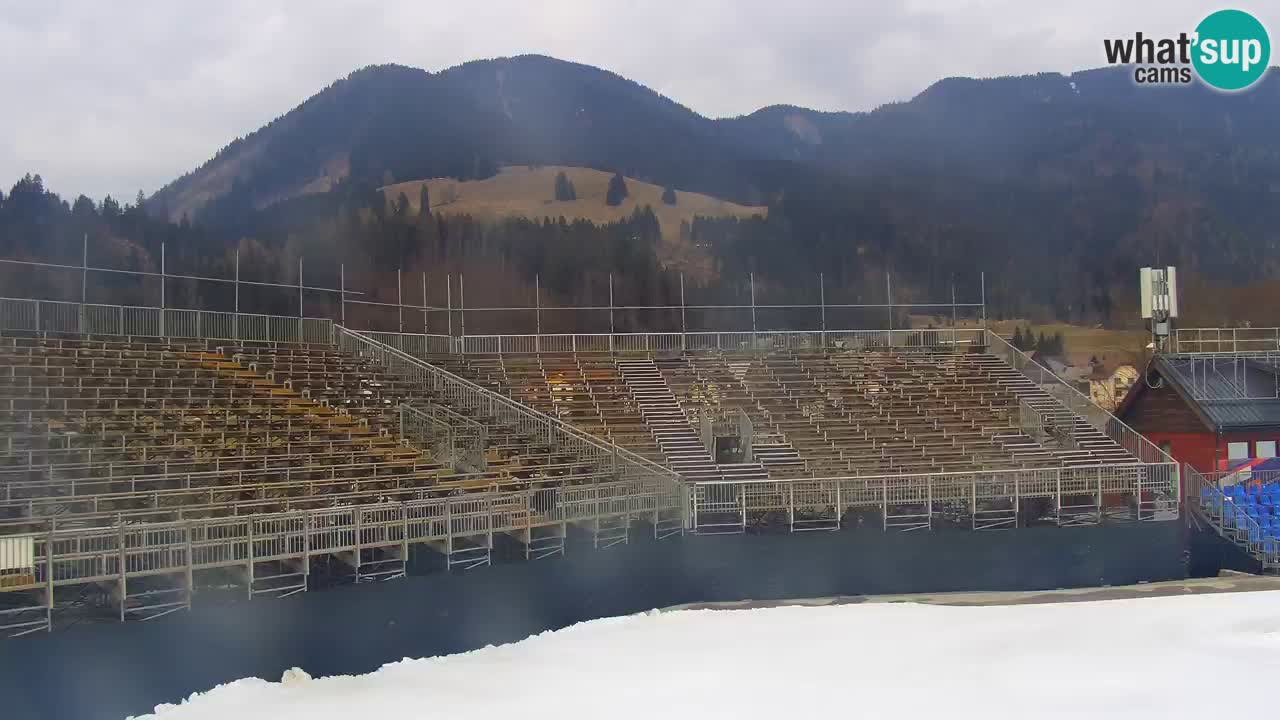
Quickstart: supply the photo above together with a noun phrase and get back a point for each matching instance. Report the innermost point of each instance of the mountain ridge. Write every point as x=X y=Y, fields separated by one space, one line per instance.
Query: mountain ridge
x=1086 y=173
x=535 y=109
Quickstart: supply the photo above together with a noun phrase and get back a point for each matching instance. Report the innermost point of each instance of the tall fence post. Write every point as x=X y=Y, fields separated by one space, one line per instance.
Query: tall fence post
x=751 y=277
x=888 y=293
x=684 y=329
x=236 y=317
x=400 y=299
x=342 y=293
x=448 y=299
x=424 y=310
x=537 y=312
x=300 y=284
x=462 y=312
x=611 y=312
x=822 y=305
x=82 y=318
x=982 y=279
x=49 y=571
x=953 y=314
x=163 y=311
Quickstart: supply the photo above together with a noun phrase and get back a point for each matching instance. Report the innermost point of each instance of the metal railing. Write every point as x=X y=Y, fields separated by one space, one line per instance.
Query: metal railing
x=1043 y=427
x=66 y=555
x=1242 y=375
x=1231 y=519
x=414 y=343
x=125 y=547
x=174 y=504
x=453 y=438
x=717 y=505
x=158 y=477
x=1243 y=476
x=1226 y=340
x=746 y=435
x=1077 y=402
x=720 y=341
x=728 y=422
x=50 y=316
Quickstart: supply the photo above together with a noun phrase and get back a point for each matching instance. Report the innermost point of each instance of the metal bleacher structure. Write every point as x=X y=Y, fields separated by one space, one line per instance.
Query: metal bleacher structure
x=150 y=453
x=1234 y=367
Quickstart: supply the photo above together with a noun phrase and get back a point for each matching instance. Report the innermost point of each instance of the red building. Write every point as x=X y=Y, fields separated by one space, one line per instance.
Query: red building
x=1211 y=411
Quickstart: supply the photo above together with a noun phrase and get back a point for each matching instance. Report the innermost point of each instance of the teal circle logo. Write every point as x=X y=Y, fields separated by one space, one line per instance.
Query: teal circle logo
x=1232 y=50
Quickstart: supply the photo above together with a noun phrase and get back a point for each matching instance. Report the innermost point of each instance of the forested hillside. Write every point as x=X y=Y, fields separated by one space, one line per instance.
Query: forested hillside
x=1057 y=187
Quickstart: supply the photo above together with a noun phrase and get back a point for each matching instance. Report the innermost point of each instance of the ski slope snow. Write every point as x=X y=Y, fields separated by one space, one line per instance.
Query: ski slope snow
x=1168 y=657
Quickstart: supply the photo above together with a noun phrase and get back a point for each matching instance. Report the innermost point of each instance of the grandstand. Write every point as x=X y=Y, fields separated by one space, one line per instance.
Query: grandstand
x=150 y=454
x=814 y=413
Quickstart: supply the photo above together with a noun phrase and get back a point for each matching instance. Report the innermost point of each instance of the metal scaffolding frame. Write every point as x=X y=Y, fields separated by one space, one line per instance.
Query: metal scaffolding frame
x=1242 y=375
x=1226 y=340
x=81 y=316
x=274 y=549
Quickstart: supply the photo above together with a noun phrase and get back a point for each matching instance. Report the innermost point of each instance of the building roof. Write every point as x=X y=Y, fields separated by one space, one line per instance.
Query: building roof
x=1229 y=392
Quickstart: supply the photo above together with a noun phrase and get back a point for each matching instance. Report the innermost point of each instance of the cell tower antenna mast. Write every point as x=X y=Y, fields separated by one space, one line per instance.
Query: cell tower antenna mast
x=1159 y=288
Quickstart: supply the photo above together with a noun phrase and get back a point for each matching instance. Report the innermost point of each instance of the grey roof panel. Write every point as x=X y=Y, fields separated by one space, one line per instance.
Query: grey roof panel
x=1231 y=392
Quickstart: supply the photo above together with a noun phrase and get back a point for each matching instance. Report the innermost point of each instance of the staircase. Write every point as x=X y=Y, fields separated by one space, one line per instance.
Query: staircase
x=678 y=441
x=779 y=454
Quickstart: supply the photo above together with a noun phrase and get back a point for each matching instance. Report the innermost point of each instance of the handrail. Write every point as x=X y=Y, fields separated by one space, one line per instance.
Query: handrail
x=65 y=511
x=986 y=475
x=1226 y=339
x=453 y=416
x=70 y=483
x=458 y=439
x=660 y=341
x=722 y=503
x=1078 y=403
x=468 y=394
x=68 y=317
x=1238 y=526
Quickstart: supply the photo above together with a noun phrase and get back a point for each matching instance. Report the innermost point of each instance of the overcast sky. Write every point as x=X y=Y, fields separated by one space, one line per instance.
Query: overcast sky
x=112 y=97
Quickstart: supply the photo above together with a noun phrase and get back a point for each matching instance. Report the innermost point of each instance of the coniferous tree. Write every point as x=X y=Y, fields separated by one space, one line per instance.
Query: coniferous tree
x=669 y=196
x=1018 y=340
x=564 y=188
x=110 y=208
x=424 y=201
x=617 y=190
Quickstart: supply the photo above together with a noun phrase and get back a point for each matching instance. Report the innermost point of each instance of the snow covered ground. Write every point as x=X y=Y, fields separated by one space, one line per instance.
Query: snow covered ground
x=1164 y=658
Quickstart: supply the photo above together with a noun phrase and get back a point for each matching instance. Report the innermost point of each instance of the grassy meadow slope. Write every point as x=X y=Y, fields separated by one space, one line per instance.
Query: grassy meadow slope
x=521 y=191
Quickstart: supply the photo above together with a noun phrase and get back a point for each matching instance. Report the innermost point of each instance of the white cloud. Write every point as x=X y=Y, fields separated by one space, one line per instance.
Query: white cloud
x=113 y=97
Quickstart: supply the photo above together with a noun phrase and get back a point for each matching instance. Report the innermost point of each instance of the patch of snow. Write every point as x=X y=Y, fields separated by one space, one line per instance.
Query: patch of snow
x=295 y=676
x=1074 y=89
x=1168 y=657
